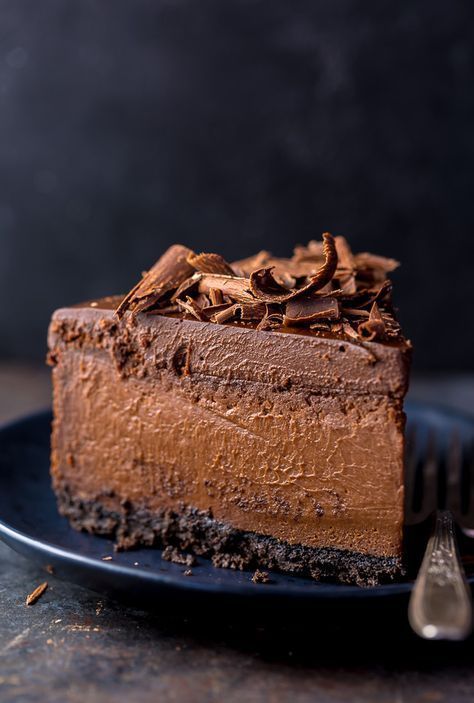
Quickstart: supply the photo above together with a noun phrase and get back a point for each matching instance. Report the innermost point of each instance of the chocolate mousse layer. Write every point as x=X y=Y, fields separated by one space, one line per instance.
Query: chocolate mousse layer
x=277 y=445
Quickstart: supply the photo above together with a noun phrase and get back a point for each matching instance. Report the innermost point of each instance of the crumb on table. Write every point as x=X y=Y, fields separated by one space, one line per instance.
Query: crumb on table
x=261 y=577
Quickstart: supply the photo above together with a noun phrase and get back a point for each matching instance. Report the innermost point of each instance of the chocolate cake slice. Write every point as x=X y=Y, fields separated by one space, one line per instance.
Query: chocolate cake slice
x=249 y=412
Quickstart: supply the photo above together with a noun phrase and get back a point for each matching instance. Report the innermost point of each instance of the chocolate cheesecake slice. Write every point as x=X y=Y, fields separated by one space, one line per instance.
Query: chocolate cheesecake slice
x=248 y=412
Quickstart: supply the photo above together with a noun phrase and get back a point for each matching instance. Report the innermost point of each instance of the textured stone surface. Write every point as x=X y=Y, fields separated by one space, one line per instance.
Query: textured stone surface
x=74 y=646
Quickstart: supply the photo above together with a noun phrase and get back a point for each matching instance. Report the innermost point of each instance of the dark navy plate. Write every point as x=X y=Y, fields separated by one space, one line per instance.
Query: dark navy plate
x=30 y=524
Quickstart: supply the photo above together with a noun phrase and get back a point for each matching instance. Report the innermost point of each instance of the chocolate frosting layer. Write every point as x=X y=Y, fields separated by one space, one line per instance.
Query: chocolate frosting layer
x=146 y=344
x=323 y=287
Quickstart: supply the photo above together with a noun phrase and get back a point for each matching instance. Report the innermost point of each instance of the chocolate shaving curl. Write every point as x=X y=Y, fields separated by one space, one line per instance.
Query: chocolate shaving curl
x=373 y=269
x=374 y=327
x=303 y=311
x=232 y=286
x=349 y=331
x=166 y=275
x=216 y=296
x=210 y=263
x=324 y=287
x=247 y=312
x=270 y=320
x=264 y=286
x=191 y=307
x=346 y=269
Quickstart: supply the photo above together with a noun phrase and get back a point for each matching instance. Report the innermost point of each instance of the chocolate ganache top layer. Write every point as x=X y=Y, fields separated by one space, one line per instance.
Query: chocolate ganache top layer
x=323 y=287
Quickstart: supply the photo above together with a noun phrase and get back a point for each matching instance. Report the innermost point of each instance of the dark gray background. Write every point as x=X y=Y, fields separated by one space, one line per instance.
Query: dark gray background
x=234 y=125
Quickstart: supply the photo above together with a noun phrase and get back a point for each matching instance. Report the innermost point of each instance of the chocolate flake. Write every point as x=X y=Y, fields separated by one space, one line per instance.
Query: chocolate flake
x=33 y=597
x=233 y=286
x=211 y=311
x=244 y=311
x=355 y=312
x=270 y=320
x=210 y=263
x=215 y=296
x=374 y=327
x=324 y=287
x=346 y=266
x=244 y=267
x=305 y=310
x=264 y=286
x=165 y=276
x=226 y=314
x=349 y=331
x=191 y=307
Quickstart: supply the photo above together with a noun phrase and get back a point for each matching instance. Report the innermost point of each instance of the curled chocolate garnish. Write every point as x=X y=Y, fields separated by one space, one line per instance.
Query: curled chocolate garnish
x=215 y=296
x=272 y=318
x=301 y=311
x=355 y=312
x=224 y=315
x=349 y=331
x=270 y=322
x=264 y=286
x=187 y=286
x=165 y=276
x=232 y=286
x=211 y=311
x=244 y=267
x=373 y=269
x=345 y=272
x=324 y=287
x=374 y=327
x=210 y=263
x=284 y=279
x=191 y=307
x=365 y=260
x=367 y=296
x=251 y=311
x=244 y=311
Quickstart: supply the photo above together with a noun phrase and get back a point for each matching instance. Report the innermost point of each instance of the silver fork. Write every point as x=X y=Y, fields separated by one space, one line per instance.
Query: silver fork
x=440 y=605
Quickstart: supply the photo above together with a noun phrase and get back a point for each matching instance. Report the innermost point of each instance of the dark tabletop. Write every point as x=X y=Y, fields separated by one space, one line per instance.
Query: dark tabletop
x=74 y=645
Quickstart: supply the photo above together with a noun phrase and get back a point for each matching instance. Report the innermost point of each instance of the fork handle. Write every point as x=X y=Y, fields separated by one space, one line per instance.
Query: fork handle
x=440 y=604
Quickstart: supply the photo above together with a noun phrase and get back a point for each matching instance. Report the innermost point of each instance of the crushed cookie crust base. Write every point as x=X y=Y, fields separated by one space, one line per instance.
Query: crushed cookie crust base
x=197 y=532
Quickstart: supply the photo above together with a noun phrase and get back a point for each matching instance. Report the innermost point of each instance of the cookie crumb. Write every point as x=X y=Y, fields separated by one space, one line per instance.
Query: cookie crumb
x=49 y=568
x=261 y=577
x=229 y=561
x=188 y=572
x=108 y=558
x=36 y=594
x=173 y=554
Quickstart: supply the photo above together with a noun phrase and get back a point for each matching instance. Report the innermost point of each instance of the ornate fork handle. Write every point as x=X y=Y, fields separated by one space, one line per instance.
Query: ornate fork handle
x=440 y=604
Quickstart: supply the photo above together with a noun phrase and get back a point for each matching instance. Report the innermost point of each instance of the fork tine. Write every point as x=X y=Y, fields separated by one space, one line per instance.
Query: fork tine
x=453 y=475
x=430 y=476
